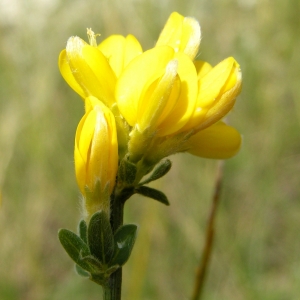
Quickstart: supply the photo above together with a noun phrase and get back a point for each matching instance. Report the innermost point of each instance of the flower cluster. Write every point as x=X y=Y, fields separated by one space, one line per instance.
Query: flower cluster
x=142 y=106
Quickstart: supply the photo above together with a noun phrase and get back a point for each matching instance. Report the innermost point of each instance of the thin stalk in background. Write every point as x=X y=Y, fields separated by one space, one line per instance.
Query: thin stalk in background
x=209 y=237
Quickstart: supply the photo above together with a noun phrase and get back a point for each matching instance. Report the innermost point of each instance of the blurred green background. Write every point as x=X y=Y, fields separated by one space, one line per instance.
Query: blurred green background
x=257 y=246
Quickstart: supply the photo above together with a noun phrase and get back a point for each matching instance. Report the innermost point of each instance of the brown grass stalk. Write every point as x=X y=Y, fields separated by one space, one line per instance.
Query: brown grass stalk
x=209 y=237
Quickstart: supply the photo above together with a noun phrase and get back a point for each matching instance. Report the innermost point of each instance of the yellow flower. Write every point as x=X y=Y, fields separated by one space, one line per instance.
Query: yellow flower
x=160 y=94
x=165 y=91
x=96 y=155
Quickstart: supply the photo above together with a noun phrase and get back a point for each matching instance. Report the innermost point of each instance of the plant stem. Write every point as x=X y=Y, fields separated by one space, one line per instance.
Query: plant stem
x=210 y=230
x=117 y=211
x=113 y=290
x=107 y=295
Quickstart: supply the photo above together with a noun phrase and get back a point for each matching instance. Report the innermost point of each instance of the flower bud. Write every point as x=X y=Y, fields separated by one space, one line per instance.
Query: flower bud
x=96 y=155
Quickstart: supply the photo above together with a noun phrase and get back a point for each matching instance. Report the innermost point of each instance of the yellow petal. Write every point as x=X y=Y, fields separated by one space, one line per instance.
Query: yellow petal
x=80 y=169
x=132 y=49
x=218 y=89
x=218 y=141
x=113 y=50
x=156 y=98
x=86 y=134
x=216 y=81
x=97 y=165
x=186 y=102
x=226 y=99
x=202 y=68
x=141 y=71
x=181 y=33
x=68 y=75
x=120 y=51
x=172 y=99
x=82 y=142
x=104 y=148
x=91 y=70
x=191 y=37
x=91 y=102
x=112 y=161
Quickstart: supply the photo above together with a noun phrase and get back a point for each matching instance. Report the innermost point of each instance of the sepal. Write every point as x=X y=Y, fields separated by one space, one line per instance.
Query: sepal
x=127 y=171
x=152 y=193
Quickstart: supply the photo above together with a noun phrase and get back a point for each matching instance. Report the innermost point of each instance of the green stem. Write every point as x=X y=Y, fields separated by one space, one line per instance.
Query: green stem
x=113 y=290
x=117 y=211
x=106 y=292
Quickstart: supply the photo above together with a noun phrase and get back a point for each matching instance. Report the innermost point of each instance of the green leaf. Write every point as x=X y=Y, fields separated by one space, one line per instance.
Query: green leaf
x=100 y=237
x=124 y=238
x=82 y=228
x=80 y=271
x=152 y=193
x=127 y=171
x=161 y=170
x=76 y=248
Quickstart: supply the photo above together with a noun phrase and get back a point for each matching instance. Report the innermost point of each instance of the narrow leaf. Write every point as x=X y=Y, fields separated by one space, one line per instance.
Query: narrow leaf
x=153 y=193
x=124 y=238
x=159 y=171
x=100 y=237
x=75 y=247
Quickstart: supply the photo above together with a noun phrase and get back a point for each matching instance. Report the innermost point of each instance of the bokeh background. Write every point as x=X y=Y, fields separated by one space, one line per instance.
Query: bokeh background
x=257 y=246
